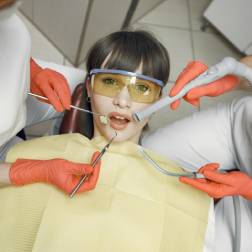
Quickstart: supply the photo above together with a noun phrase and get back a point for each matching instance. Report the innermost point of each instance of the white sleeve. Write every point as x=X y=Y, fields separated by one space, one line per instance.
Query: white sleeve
x=241 y=123
x=15 y=44
x=201 y=138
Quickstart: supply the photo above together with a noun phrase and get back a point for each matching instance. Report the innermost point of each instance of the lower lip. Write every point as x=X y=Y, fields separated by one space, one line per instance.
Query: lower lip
x=117 y=126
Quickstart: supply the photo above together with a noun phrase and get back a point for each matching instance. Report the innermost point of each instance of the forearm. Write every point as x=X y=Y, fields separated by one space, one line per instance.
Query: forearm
x=4 y=174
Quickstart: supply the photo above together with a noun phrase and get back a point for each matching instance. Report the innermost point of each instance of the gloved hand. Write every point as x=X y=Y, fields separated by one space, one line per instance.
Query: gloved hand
x=51 y=84
x=62 y=173
x=218 y=185
x=191 y=71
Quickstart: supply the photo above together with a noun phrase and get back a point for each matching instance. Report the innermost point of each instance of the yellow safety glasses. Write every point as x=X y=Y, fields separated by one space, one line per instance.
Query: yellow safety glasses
x=110 y=82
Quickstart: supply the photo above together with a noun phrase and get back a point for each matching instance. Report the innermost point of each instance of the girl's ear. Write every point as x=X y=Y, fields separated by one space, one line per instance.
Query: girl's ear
x=88 y=86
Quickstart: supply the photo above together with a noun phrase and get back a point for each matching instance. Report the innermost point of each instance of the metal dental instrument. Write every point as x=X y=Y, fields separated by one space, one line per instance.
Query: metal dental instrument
x=226 y=66
x=93 y=164
x=103 y=118
x=165 y=172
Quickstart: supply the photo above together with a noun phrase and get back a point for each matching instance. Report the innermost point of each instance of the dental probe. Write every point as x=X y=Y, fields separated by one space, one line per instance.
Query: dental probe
x=103 y=118
x=93 y=164
x=227 y=66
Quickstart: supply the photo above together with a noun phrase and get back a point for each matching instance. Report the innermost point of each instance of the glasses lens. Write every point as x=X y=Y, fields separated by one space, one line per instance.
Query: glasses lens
x=110 y=85
x=144 y=91
x=107 y=84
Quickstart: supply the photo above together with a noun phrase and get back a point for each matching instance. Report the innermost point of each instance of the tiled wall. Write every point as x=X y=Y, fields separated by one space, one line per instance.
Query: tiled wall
x=73 y=26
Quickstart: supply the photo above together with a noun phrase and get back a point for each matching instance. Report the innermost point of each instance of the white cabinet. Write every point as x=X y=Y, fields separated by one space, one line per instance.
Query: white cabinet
x=233 y=18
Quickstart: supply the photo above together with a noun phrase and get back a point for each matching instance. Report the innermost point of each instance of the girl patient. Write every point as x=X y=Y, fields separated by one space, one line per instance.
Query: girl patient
x=133 y=207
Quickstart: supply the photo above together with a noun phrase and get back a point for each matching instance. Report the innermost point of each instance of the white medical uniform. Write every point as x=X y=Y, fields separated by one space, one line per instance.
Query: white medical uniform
x=16 y=109
x=14 y=79
x=221 y=135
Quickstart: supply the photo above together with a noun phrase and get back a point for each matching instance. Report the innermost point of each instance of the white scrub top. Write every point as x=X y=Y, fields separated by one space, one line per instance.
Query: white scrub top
x=14 y=77
x=221 y=135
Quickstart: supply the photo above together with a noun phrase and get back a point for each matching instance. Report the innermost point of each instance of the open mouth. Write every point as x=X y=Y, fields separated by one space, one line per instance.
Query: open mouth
x=118 y=121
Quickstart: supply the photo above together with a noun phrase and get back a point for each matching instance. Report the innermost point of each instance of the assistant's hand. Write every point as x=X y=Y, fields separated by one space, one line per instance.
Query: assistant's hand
x=51 y=84
x=218 y=185
x=62 y=173
x=216 y=88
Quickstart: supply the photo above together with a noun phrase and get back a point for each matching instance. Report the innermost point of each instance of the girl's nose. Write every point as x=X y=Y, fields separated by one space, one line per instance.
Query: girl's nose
x=123 y=99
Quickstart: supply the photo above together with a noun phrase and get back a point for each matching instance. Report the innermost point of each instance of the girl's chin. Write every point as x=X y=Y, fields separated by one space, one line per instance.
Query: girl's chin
x=121 y=137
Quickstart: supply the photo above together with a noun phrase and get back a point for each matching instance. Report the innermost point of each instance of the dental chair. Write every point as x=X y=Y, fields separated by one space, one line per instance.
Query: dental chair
x=75 y=121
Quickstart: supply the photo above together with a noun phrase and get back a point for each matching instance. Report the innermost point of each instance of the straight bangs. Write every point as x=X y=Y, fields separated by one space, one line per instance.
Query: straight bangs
x=128 y=50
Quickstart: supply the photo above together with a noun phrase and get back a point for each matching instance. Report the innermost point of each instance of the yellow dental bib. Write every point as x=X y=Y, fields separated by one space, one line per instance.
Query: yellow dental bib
x=133 y=208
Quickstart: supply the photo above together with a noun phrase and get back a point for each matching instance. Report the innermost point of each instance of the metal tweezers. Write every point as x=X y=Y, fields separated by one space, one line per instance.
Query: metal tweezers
x=93 y=164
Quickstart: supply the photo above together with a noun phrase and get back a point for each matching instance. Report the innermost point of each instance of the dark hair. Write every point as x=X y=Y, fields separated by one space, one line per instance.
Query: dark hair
x=128 y=49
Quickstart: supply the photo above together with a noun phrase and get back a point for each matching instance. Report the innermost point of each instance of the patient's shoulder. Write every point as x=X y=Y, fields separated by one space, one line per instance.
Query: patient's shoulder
x=47 y=147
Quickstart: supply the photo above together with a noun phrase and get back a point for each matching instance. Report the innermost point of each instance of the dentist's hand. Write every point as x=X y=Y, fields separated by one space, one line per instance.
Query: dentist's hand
x=51 y=84
x=59 y=172
x=218 y=185
x=191 y=71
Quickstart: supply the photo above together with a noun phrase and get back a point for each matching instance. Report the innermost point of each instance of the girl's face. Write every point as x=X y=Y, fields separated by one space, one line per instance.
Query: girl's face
x=119 y=110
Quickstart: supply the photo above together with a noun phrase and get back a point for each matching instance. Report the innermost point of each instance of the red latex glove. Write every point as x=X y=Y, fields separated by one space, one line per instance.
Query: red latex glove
x=62 y=173
x=191 y=71
x=51 y=84
x=218 y=185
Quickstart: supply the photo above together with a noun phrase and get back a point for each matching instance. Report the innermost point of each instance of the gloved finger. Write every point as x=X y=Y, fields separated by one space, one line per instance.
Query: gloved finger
x=95 y=155
x=209 y=167
x=191 y=71
x=218 y=177
x=202 y=180
x=219 y=190
x=52 y=97
x=175 y=104
x=82 y=169
x=210 y=188
x=62 y=93
x=211 y=89
x=194 y=102
x=36 y=90
x=93 y=178
x=229 y=82
x=197 y=183
x=62 y=90
x=61 y=76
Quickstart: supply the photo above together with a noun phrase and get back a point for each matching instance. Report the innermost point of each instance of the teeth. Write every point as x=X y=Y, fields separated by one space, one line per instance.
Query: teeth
x=119 y=117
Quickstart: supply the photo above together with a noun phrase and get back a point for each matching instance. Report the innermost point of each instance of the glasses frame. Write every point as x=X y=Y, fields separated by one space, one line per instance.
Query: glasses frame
x=131 y=74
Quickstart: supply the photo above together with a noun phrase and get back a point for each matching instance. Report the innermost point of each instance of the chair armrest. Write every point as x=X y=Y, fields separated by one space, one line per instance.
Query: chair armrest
x=75 y=121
